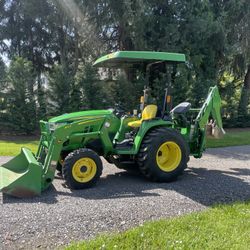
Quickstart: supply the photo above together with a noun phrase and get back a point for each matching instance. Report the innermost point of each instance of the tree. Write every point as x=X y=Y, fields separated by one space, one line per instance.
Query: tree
x=89 y=84
x=62 y=38
x=2 y=88
x=20 y=96
x=59 y=90
x=238 y=36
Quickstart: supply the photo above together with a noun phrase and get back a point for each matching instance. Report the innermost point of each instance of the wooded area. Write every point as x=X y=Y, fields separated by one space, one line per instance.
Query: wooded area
x=50 y=45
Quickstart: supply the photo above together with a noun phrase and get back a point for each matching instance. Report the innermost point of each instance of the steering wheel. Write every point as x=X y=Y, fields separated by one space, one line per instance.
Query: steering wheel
x=118 y=110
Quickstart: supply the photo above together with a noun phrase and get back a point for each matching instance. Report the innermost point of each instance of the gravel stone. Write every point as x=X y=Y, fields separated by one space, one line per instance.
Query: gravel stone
x=121 y=201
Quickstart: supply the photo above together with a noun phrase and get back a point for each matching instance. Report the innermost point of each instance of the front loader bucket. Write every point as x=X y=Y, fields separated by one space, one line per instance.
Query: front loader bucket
x=21 y=176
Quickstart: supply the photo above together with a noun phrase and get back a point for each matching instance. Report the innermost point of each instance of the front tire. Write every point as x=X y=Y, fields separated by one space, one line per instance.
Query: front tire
x=82 y=168
x=163 y=155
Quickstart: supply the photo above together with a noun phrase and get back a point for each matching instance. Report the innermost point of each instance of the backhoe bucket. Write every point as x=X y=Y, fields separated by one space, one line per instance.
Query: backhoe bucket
x=214 y=132
x=218 y=132
x=21 y=176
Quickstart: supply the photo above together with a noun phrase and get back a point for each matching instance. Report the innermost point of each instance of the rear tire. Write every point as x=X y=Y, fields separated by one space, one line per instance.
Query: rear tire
x=163 y=155
x=82 y=168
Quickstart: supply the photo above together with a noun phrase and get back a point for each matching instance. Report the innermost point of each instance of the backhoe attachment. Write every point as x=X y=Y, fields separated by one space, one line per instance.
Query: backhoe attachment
x=211 y=108
x=200 y=127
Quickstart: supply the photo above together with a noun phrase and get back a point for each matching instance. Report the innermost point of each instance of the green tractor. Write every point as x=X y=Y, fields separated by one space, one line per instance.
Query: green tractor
x=158 y=141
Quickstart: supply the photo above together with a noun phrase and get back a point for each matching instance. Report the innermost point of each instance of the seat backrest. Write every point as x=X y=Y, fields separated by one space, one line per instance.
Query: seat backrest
x=149 y=112
x=181 y=108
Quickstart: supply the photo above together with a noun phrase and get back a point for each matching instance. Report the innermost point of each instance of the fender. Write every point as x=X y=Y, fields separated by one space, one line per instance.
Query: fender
x=144 y=129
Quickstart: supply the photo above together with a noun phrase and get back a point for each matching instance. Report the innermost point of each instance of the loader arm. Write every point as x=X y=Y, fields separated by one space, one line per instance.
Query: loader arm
x=28 y=175
x=61 y=135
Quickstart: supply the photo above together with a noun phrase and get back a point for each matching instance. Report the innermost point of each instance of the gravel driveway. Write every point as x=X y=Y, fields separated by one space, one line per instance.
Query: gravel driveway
x=121 y=200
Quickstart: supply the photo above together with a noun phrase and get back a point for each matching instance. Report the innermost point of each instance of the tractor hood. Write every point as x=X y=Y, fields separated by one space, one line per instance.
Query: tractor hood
x=79 y=116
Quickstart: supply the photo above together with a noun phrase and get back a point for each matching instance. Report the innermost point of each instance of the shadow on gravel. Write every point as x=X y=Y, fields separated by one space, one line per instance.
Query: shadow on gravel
x=211 y=187
x=241 y=153
x=207 y=187
x=49 y=196
x=118 y=185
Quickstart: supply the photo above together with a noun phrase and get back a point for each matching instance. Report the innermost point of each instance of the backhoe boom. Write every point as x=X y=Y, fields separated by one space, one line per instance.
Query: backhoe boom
x=211 y=106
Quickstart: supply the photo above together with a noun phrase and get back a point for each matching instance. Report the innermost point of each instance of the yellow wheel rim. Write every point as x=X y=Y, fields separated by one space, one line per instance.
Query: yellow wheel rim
x=84 y=170
x=168 y=156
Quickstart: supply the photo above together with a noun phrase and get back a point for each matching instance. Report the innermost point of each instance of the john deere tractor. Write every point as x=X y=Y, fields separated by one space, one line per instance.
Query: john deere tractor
x=157 y=140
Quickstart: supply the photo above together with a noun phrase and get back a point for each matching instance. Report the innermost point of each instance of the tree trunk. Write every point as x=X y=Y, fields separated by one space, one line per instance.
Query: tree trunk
x=125 y=43
x=245 y=94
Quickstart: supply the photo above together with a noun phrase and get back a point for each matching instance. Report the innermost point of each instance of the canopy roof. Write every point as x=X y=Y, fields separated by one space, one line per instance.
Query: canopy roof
x=122 y=59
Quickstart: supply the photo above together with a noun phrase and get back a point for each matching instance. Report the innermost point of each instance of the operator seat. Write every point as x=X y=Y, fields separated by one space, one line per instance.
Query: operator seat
x=148 y=113
x=181 y=108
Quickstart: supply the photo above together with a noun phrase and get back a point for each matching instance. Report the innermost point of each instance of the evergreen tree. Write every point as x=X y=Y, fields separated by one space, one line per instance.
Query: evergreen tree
x=2 y=91
x=89 y=83
x=41 y=99
x=59 y=90
x=20 y=97
x=75 y=97
x=237 y=23
x=61 y=38
x=2 y=70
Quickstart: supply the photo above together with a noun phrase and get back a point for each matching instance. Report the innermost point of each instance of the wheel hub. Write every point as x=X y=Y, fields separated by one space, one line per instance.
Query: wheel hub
x=84 y=170
x=168 y=156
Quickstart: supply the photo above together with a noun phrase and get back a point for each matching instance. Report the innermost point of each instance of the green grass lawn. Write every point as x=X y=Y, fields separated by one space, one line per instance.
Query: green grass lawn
x=221 y=227
x=13 y=147
x=232 y=138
